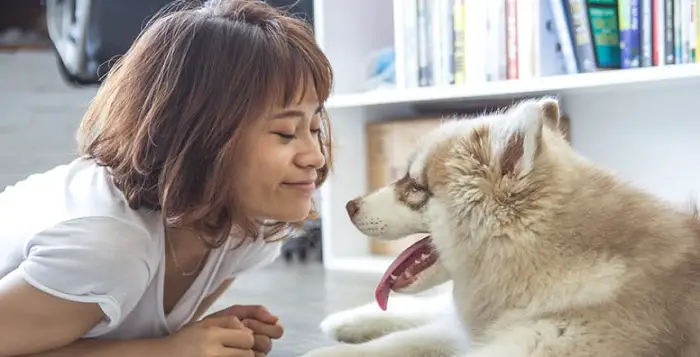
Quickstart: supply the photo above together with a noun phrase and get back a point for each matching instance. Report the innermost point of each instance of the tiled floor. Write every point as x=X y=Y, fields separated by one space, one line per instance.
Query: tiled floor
x=301 y=295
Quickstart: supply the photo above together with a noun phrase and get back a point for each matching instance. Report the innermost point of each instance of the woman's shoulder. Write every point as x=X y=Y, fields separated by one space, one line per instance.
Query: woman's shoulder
x=80 y=193
x=75 y=208
x=80 y=185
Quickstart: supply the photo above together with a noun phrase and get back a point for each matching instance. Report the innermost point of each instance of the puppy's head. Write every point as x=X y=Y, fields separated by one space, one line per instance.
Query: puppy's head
x=482 y=169
x=468 y=180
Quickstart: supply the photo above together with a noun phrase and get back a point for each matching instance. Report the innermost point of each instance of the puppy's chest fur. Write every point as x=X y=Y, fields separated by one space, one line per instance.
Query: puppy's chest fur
x=639 y=283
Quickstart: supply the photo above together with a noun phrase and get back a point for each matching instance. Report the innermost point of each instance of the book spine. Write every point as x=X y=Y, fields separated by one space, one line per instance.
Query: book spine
x=629 y=33
x=692 y=31
x=512 y=38
x=658 y=32
x=435 y=39
x=502 y=41
x=646 y=33
x=458 y=41
x=448 y=39
x=424 y=67
x=669 y=32
x=577 y=13
x=564 y=34
x=697 y=30
x=685 y=33
x=603 y=19
x=411 y=68
x=677 y=32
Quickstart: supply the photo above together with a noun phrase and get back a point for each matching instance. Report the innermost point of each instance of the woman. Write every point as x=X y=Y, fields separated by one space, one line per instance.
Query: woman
x=209 y=128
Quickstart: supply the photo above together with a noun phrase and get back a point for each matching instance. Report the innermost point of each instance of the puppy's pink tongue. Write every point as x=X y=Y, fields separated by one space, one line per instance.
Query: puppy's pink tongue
x=388 y=282
x=382 y=295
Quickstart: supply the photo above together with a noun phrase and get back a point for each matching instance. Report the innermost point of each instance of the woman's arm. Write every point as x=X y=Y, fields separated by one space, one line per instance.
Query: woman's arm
x=109 y=348
x=33 y=321
x=57 y=325
x=76 y=275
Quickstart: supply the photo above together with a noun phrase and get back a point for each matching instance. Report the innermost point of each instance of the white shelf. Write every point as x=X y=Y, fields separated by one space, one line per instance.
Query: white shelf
x=565 y=84
x=640 y=123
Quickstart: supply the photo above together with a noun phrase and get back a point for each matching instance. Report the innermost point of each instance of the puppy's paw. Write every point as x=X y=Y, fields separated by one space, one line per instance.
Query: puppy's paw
x=353 y=325
x=366 y=323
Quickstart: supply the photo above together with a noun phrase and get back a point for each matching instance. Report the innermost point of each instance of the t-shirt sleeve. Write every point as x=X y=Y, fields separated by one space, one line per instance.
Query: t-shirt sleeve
x=96 y=260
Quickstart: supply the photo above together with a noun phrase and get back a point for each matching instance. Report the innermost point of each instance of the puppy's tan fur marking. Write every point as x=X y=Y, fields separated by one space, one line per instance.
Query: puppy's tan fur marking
x=410 y=193
x=512 y=153
x=551 y=115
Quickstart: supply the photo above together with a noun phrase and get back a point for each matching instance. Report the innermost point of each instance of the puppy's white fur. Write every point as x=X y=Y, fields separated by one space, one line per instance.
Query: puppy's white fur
x=548 y=254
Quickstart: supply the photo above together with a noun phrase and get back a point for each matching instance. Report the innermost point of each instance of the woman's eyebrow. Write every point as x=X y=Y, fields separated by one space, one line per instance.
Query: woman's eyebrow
x=293 y=113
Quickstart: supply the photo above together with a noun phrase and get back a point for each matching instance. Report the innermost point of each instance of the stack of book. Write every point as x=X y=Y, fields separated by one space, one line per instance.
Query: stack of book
x=459 y=42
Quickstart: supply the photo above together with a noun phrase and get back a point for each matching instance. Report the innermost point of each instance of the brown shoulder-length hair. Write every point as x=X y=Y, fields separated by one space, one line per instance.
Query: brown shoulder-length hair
x=170 y=113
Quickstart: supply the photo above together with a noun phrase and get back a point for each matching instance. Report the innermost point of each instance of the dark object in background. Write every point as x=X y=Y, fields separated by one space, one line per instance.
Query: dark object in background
x=23 y=25
x=89 y=35
x=304 y=243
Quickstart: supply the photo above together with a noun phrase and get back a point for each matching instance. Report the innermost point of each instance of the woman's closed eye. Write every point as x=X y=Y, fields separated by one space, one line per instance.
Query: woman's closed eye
x=285 y=135
x=292 y=136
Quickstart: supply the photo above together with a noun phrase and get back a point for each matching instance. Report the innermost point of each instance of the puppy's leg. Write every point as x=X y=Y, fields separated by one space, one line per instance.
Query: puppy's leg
x=602 y=339
x=441 y=338
x=368 y=322
x=525 y=340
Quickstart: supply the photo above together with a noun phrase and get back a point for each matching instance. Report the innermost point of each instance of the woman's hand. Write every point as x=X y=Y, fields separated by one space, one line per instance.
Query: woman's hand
x=220 y=336
x=264 y=326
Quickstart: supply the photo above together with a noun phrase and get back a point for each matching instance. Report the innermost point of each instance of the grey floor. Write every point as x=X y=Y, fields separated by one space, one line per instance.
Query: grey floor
x=39 y=114
x=301 y=295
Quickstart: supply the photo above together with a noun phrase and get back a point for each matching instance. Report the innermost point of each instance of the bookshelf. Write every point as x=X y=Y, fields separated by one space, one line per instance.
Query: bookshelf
x=561 y=85
x=642 y=123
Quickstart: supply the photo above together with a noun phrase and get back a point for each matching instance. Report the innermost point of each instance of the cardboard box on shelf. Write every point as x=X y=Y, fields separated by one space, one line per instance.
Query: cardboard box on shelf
x=389 y=144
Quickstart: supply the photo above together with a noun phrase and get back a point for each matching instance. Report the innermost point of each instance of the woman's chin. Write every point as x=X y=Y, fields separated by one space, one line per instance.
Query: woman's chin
x=297 y=214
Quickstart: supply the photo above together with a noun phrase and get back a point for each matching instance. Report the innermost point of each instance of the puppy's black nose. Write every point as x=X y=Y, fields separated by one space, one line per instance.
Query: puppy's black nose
x=352 y=207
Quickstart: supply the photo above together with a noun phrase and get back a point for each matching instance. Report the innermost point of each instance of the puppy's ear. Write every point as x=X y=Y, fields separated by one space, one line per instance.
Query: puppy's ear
x=519 y=138
x=551 y=114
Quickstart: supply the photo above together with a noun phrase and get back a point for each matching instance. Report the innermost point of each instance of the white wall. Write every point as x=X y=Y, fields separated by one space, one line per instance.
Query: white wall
x=648 y=134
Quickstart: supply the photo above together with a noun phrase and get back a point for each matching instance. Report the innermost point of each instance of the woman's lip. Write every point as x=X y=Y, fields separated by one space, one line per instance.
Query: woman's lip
x=301 y=183
x=304 y=185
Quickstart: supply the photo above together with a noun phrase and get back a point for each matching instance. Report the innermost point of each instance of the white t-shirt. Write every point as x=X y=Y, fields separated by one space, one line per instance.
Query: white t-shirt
x=71 y=233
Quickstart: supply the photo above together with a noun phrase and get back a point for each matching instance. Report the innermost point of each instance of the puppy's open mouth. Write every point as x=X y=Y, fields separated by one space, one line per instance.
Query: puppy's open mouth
x=405 y=269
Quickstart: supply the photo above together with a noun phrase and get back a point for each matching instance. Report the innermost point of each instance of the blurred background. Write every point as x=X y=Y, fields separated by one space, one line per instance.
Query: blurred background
x=625 y=71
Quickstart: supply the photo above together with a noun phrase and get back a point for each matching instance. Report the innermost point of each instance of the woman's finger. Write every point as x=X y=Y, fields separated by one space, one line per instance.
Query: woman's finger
x=272 y=331
x=262 y=344
x=257 y=312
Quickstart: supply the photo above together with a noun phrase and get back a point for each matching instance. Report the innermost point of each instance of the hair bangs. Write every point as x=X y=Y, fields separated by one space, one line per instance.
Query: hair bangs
x=291 y=63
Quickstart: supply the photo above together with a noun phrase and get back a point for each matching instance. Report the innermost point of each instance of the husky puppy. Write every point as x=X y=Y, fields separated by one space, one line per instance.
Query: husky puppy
x=548 y=255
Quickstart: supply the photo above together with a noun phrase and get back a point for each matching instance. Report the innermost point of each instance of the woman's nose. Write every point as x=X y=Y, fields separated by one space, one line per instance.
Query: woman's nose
x=312 y=155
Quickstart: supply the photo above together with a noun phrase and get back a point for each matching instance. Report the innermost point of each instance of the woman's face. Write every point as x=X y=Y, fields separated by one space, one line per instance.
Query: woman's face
x=280 y=156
